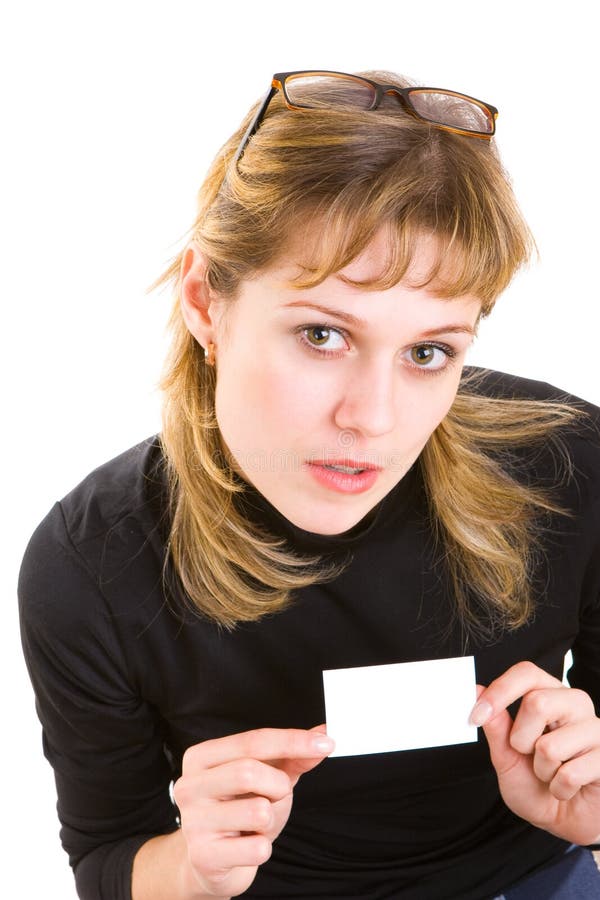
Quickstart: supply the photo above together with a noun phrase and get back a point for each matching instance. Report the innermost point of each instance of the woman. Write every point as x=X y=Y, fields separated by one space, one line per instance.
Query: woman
x=330 y=489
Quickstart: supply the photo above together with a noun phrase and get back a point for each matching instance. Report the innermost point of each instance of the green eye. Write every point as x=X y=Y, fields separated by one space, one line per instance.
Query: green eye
x=323 y=339
x=423 y=354
x=431 y=358
x=318 y=334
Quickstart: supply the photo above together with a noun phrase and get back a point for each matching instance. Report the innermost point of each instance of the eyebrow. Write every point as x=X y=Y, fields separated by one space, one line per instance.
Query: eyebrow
x=460 y=328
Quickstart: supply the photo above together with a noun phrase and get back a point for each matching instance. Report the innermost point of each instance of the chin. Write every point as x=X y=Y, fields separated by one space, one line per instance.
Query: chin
x=327 y=526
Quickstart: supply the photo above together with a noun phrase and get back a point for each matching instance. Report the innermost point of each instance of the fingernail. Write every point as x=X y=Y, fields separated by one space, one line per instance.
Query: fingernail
x=322 y=743
x=481 y=713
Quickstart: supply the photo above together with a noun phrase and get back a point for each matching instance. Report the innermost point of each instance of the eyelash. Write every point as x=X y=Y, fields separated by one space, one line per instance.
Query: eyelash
x=450 y=352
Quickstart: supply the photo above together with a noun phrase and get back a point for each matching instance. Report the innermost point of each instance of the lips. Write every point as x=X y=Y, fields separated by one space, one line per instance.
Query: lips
x=346 y=476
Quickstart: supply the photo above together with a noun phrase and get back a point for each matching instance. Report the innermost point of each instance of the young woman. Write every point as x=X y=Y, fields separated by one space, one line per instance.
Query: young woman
x=331 y=489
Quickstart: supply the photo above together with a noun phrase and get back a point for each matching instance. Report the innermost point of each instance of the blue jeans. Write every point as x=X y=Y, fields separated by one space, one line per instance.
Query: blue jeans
x=574 y=876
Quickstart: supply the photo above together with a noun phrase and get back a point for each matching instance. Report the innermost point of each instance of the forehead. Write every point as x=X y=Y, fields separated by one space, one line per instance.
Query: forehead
x=405 y=310
x=374 y=260
x=429 y=266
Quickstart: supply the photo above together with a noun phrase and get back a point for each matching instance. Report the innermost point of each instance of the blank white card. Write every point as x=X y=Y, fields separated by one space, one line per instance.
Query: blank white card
x=403 y=706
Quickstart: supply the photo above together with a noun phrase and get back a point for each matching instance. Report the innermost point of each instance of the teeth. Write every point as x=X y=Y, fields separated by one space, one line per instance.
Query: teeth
x=345 y=469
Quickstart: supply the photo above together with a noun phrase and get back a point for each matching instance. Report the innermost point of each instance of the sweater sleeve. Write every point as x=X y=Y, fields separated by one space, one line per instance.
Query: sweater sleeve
x=102 y=739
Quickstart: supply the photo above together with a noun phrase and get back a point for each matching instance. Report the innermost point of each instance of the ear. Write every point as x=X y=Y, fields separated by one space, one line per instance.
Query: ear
x=198 y=304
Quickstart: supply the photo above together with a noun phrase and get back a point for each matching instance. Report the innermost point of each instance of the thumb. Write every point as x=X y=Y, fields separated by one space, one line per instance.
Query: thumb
x=497 y=731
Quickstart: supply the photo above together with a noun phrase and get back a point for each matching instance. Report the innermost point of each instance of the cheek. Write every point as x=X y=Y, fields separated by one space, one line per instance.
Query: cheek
x=291 y=406
x=432 y=407
x=262 y=404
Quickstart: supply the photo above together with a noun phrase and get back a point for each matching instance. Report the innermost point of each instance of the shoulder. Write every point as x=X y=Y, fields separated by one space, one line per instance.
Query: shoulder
x=576 y=440
x=501 y=385
x=121 y=489
x=82 y=553
x=495 y=385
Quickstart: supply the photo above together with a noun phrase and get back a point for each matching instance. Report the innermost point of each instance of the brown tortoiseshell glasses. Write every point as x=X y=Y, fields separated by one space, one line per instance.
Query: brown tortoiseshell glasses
x=320 y=89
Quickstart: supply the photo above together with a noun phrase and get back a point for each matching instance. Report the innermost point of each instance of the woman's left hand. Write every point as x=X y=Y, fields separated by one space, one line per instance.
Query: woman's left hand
x=548 y=759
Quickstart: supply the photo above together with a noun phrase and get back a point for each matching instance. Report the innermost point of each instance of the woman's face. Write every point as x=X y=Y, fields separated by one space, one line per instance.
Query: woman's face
x=336 y=375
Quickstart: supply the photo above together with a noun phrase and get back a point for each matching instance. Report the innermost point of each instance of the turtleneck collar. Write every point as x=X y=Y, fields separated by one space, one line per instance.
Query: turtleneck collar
x=390 y=508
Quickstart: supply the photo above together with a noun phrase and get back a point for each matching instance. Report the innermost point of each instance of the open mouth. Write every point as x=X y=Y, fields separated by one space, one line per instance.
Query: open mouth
x=348 y=470
x=347 y=476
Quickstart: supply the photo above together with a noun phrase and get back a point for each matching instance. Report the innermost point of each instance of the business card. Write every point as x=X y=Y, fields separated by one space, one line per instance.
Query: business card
x=402 y=706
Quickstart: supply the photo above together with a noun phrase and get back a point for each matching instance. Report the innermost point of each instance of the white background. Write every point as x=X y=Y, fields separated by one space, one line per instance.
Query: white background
x=111 y=113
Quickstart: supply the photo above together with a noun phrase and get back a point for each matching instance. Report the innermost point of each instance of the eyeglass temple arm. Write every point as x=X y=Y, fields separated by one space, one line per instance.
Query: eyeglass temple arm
x=254 y=124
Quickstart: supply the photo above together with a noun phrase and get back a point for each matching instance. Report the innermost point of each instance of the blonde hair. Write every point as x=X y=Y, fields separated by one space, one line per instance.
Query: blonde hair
x=352 y=173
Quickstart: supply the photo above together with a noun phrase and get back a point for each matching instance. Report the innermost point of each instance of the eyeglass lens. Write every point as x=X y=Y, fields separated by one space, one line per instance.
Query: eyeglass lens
x=323 y=91
x=448 y=109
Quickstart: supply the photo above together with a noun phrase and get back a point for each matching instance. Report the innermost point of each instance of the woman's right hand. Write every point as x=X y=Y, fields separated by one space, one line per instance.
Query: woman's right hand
x=235 y=796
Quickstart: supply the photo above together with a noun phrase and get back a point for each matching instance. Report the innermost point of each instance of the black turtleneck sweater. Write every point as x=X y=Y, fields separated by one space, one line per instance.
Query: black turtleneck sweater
x=126 y=681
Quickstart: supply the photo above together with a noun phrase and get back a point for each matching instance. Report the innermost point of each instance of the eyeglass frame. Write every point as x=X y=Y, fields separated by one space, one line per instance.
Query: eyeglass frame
x=278 y=84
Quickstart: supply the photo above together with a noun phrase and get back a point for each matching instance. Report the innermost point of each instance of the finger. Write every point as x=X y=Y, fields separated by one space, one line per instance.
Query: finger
x=576 y=774
x=564 y=744
x=263 y=744
x=296 y=767
x=215 y=859
x=235 y=779
x=232 y=817
x=548 y=708
x=509 y=687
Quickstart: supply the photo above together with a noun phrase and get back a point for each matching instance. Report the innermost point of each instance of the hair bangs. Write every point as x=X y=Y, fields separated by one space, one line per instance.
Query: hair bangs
x=463 y=263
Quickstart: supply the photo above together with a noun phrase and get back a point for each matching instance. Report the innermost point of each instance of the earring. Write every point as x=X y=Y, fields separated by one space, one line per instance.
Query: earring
x=209 y=354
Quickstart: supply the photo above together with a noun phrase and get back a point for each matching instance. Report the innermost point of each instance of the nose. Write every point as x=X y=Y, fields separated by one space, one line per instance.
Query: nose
x=368 y=403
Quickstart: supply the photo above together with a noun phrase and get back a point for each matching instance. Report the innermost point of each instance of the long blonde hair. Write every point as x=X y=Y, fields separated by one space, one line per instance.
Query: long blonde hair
x=352 y=173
